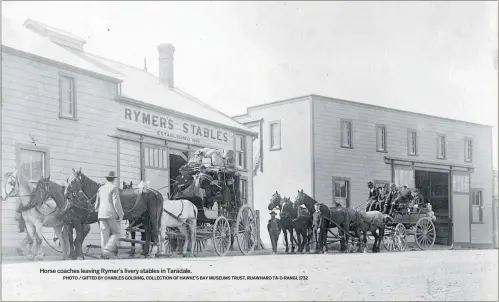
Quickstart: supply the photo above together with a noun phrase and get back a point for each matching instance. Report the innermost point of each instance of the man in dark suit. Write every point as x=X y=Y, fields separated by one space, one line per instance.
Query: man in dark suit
x=184 y=180
x=390 y=199
x=373 y=195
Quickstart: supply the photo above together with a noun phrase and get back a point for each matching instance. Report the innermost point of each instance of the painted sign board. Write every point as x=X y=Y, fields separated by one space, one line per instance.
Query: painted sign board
x=174 y=128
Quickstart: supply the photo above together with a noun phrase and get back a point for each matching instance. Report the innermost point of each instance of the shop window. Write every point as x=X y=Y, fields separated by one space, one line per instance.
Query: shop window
x=441 y=146
x=412 y=142
x=381 y=138
x=468 y=150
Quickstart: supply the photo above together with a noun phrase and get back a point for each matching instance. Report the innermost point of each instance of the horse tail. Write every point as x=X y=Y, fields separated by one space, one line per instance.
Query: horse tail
x=160 y=198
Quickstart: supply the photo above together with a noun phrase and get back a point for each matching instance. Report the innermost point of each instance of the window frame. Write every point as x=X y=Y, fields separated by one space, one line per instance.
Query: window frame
x=243 y=151
x=480 y=207
x=348 y=191
x=350 y=133
x=279 y=128
x=440 y=137
x=44 y=150
x=378 y=149
x=409 y=142
x=74 y=116
x=467 y=151
x=165 y=152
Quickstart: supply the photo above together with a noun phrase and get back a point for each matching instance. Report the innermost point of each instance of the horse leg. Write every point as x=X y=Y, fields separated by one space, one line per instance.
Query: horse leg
x=285 y=232
x=60 y=232
x=185 y=232
x=68 y=229
x=373 y=232
x=292 y=238
x=38 y=241
x=132 y=236
x=192 y=226
x=79 y=241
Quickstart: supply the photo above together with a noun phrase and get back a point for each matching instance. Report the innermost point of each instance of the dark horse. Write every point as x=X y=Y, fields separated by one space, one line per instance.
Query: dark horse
x=134 y=205
x=133 y=224
x=338 y=215
x=287 y=214
x=45 y=189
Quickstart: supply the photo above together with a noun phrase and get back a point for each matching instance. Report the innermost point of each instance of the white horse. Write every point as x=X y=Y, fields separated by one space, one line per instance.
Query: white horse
x=182 y=215
x=36 y=216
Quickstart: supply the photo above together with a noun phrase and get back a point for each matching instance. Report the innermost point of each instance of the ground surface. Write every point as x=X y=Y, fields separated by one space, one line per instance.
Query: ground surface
x=412 y=275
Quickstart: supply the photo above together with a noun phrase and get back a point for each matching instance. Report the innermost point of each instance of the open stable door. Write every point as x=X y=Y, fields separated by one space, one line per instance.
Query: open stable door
x=156 y=167
x=461 y=233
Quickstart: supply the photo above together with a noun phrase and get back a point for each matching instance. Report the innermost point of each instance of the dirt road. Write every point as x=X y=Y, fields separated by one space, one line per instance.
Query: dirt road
x=429 y=275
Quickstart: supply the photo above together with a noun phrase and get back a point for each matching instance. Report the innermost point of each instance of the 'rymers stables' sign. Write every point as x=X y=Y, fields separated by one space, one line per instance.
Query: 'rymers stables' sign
x=176 y=129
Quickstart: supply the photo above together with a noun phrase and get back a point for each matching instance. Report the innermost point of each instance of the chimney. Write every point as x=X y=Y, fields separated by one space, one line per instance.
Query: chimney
x=166 y=51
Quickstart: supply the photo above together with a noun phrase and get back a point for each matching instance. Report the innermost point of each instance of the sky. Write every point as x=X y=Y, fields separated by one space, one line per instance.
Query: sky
x=429 y=57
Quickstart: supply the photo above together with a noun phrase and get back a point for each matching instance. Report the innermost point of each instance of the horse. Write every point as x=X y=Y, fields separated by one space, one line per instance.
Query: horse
x=45 y=189
x=134 y=202
x=134 y=224
x=36 y=215
x=182 y=215
x=329 y=218
x=287 y=214
x=372 y=221
x=303 y=226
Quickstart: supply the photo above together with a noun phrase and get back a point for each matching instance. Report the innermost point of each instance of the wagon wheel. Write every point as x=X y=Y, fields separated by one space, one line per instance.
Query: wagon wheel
x=389 y=242
x=400 y=237
x=425 y=233
x=246 y=230
x=170 y=244
x=221 y=236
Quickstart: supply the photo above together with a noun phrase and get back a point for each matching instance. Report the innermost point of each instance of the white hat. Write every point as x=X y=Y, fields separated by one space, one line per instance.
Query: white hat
x=303 y=206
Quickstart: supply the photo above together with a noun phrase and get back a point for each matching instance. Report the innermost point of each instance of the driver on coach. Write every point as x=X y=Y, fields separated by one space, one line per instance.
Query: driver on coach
x=373 y=195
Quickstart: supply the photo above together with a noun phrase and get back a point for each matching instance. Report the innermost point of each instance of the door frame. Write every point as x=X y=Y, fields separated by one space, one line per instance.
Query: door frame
x=451 y=188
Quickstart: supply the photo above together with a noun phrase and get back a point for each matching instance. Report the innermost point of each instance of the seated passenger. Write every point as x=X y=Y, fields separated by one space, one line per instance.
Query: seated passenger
x=373 y=196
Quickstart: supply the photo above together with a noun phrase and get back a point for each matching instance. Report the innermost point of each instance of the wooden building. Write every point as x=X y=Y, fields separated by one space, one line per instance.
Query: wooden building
x=332 y=148
x=64 y=108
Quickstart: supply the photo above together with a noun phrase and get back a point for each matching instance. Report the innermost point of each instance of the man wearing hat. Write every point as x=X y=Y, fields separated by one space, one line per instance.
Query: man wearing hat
x=373 y=195
x=390 y=198
x=184 y=180
x=274 y=228
x=110 y=214
x=418 y=198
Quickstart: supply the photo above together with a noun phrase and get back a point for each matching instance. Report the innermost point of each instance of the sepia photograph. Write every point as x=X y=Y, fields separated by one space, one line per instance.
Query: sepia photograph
x=249 y=151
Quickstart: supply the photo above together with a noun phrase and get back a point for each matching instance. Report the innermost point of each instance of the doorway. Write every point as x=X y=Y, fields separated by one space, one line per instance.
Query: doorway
x=177 y=159
x=434 y=187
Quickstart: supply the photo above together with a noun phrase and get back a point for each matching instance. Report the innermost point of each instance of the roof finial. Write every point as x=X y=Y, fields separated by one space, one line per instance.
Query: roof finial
x=145 y=64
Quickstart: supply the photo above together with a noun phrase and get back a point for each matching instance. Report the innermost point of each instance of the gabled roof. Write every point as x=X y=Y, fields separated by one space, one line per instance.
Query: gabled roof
x=16 y=36
x=137 y=84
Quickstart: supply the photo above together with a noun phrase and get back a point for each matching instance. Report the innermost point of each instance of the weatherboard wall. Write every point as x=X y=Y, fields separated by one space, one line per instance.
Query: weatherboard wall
x=30 y=109
x=362 y=163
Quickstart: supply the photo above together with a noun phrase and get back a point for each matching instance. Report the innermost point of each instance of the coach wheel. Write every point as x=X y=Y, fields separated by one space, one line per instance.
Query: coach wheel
x=389 y=242
x=246 y=230
x=171 y=243
x=400 y=237
x=425 y=233
x=221 y=236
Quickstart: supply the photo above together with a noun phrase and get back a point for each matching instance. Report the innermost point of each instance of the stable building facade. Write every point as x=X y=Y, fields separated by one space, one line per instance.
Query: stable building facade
x=332 y=148
x=64 y=108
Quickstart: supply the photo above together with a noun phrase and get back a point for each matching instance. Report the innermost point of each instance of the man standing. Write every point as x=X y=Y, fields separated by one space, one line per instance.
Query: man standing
x=274 y=228
x=110 y=214
x=373 y=195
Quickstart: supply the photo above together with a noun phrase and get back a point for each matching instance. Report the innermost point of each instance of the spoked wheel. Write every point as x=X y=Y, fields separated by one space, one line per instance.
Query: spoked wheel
x=425 y=233
x=246 y=230
x=170 y=244
x=400 y=237
x=221 y=236
x=389 y=242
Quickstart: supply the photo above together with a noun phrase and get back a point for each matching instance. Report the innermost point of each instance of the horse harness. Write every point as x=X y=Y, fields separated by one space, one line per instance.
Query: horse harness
x=176 y=216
